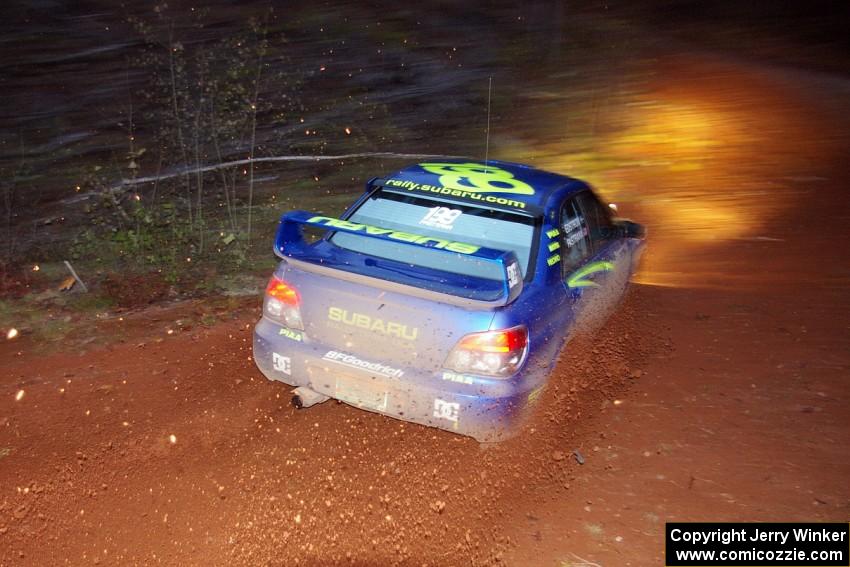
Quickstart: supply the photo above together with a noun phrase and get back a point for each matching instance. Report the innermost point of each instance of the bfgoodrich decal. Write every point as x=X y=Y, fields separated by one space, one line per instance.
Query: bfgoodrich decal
x=354 y=362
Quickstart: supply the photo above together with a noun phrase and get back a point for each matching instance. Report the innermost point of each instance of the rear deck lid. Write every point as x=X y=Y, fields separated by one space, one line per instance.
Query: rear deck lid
x=384 y=330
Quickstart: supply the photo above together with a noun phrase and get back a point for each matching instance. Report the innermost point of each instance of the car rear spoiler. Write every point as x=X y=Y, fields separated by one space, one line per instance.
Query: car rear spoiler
x=290 y=245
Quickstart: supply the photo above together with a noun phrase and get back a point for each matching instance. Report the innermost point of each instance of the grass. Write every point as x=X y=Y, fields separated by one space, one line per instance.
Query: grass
x=19 y=314
x=88 y=303
x=46 y=317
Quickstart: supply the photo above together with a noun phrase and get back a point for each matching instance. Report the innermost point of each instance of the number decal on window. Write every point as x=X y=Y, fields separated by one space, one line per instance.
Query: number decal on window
x=441 y=217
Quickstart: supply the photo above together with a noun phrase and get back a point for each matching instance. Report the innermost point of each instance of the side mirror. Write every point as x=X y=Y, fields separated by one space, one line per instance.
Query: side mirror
x=630 y=229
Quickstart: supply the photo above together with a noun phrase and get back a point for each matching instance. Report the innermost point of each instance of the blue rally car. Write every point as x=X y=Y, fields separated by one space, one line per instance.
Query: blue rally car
x=444 y=293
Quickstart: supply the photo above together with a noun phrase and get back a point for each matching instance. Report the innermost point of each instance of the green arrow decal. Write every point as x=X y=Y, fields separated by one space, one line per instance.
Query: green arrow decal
x=577 y=279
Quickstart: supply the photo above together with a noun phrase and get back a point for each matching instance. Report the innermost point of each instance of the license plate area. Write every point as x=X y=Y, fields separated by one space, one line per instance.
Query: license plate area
x=366 y=393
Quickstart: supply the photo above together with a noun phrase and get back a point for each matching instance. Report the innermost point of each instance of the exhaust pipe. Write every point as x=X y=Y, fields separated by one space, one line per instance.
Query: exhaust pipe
x=303 y=397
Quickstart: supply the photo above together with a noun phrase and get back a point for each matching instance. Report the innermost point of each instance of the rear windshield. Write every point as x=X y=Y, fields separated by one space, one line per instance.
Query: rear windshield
x=450 y=221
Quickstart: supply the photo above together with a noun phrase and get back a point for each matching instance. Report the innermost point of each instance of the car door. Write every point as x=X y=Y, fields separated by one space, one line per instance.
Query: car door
x=596 y=260
x=609 y=245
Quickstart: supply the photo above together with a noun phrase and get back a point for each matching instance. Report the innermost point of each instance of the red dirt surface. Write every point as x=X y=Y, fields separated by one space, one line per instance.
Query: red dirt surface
x=695 y=402
x=247 y=479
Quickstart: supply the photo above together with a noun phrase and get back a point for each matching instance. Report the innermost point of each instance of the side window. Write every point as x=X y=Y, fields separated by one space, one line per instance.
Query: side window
x=575 y=243
x=598 y=219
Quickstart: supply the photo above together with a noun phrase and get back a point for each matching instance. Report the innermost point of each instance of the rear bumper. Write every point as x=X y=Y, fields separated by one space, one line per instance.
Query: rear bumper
x=486 y=409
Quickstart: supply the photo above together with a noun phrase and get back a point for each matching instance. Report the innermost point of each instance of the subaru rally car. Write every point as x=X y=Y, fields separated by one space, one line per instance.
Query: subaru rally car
x=444 y=294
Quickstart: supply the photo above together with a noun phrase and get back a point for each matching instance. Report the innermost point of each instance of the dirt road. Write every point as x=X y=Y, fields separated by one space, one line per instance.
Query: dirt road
x=718 y=392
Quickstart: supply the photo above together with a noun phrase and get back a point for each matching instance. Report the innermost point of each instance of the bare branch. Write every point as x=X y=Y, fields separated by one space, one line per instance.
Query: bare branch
x=217 y=166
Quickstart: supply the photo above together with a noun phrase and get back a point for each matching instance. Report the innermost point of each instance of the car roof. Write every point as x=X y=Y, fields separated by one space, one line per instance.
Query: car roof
x=496 y=184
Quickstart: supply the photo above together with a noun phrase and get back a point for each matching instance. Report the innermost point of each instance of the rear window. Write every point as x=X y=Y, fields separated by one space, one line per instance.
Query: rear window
x=450 y=221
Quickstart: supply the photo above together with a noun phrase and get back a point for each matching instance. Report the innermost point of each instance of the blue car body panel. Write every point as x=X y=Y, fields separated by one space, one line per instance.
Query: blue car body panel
x=377 y=331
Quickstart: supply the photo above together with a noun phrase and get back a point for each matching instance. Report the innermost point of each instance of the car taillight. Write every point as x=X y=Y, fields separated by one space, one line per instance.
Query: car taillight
x=282 y=303
x=491 y=353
